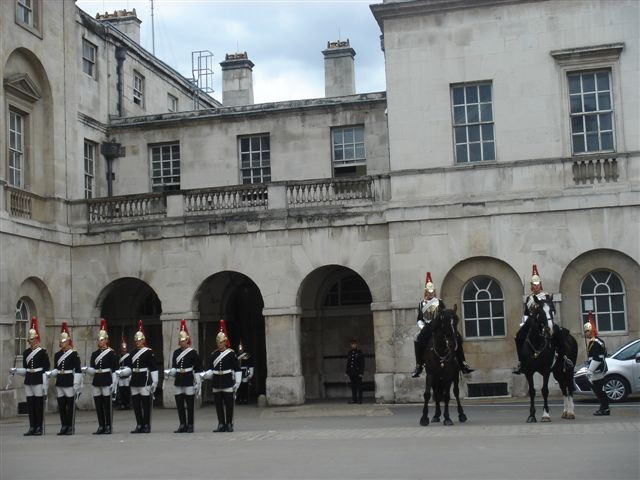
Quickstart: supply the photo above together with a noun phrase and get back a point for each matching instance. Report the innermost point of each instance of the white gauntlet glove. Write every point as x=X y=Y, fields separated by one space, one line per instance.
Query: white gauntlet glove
x=154 y=381
x=123 y=372
x=238 y=376
x=171 y=372
x=77 y=383
x=89 y=370
x=53 y=373
x=19 y=371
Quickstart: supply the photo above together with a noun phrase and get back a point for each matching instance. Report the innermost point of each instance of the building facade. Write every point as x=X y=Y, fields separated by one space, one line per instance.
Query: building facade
x=507 y=136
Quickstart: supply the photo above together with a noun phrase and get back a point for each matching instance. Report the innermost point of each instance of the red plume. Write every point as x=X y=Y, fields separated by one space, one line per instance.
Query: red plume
x=103 y=326
x=223 y=329
x=592 y=321
x=65 y=329
x=183 y=328
x=534 y=270
x=34 y=325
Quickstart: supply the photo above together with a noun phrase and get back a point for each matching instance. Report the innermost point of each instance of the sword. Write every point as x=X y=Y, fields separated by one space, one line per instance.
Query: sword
x=11 y=374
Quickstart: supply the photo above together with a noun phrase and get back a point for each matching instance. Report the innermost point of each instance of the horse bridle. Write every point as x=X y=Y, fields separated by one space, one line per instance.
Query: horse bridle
x=448 y=353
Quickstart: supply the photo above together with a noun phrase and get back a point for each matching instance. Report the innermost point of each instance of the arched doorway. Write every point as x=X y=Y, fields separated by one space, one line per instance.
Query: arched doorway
x=235 y=298
x=124 y=302
x=336 y=307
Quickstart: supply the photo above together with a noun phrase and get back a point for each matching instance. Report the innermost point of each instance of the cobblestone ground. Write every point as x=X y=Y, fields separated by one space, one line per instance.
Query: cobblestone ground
x=337 y=441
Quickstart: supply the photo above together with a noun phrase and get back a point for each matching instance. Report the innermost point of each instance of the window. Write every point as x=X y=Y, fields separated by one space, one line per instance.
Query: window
x=591 y=111
x=349 y=157
x=255 y=159
x=89 y=58
x=89 y=168
x=350 y=290
x=165 y=167
x=483 y=308
x=473 y=122
x=25 y=11
x=16 y=148
x=602 y=292
x=138 y=89
x=21 y=327
x=172 y=103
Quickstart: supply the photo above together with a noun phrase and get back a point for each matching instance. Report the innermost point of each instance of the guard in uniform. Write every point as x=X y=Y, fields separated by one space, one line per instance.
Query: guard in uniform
x=544 y=301
x=224 y=370
x=246 y=365
x=103 y=366
x=68 y=374
x=144 y=381
x=35 y=364
x=124 y=391
x=355 y=371
x=428 y=308
x=597 y=352
x=185 y=368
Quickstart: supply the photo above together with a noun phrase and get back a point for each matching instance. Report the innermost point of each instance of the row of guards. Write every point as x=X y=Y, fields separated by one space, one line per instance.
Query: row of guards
x=131 y=378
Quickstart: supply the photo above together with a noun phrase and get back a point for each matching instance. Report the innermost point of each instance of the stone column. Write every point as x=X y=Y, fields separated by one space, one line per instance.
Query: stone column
x=406 y=389
x=285 y=383
x=170 y=328
x=384 y=351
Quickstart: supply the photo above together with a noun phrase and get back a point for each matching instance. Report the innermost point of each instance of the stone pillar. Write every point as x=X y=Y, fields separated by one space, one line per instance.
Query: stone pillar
x=170 y=328
x=406 y=389
x=285 y=383
x=384 y=352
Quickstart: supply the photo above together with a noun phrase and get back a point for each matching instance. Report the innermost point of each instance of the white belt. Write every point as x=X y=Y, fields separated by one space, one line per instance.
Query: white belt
x=103 y=370
x=221 y=372
x=184 y=370
x=64 y=372
x=34 y=370
x=138 y=370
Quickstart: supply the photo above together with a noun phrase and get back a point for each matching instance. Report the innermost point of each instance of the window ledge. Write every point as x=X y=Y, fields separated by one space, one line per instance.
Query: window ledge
x=30 y=28
x=579 y=55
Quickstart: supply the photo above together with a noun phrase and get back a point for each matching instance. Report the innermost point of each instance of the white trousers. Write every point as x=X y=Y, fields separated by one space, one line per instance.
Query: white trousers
x=184 y=390
x=64 y=392
x=33 y=390
x=144 y=391
x=97 y=391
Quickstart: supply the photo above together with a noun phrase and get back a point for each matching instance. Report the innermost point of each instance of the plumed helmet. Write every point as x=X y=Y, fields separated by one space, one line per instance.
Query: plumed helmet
x=34 y=332
x=183 y=333
x=103 y=333
x=139 y=335
x=429 y=286
x=590 y=326
x=223 y=329
x=65 y=336
x=535 y=276
x=221 y=337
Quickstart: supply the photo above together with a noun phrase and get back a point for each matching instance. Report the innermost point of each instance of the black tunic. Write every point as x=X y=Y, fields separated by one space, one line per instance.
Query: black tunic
x=125 y=360
x=229 y=364
x=39 y=361
x=66 y=368
x=146 y=363
x=597 y=351
x=189 y=360
x=108 y=362
x=355 y=362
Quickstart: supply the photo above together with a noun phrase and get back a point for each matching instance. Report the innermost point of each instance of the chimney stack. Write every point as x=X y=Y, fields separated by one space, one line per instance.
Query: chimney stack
x=339 y=72
x=237 y=80
x=125 y=21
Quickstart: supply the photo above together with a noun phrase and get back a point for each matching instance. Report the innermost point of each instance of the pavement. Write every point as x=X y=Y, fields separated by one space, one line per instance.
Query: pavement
x=333 y=440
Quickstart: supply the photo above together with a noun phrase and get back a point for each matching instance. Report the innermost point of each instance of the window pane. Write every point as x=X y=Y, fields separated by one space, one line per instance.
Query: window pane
x=474 y=152
x=461 y=153
x=458 y=95
x=458 y=115
x=601 y=276
x=618 y=321
x=359 y=151
x=574 y=83
x=498 y=326
x=469 y=310
x=590 y=102
x=603 y=81
x=244 y=144
x=337 y=153
x=576 y=103
x=487 y=132
x=497 y=308
x=460 y=134
x=471 y=329
x=617 y=303
x=488 y=151
x=472 y=113
x=255 y=143
x=604 y=322
x=359 y=134
x=485 y=112
x=577 y=124
x=592 y=142
x=483 y=310
x=472 y=94
x=605 y=121
x=474 y=133
x=607 y=141
x=485 y=328
x=485 y=93
x=614 y=283
x=337 y=136
x=588 y=82
x=604 y=101
x=591 y=123
x=265 y=142
x=587 y=285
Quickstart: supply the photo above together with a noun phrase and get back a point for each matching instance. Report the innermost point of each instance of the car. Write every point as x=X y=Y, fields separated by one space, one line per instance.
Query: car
x=622 y=377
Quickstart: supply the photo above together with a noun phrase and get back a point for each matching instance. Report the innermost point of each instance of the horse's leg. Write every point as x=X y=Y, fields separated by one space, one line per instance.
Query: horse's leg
x=446 y=395
x=532 y=396
x=424 y=420
x=545 y=397
x=456 y=392
x=567 y=382
x=437 y=398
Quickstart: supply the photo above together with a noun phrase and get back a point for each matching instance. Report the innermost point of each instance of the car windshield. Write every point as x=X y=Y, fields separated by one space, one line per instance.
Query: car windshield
x=627 y=352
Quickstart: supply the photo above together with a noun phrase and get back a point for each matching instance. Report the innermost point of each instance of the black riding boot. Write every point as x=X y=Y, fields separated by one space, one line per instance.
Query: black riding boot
x=70 y=420
x=228 y=403
x=39 y=414
x=181 y=414
x=100 y=412
x=418 y=348
x=520 y=336
x=106 y=408
x=32 y=416
x=137 y=410
x=190 y=399
x=146 y=413
x=62 y=410
x=222 y=426
x=464 y=366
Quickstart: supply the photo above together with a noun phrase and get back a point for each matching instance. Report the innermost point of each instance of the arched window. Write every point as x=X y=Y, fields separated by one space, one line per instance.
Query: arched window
x=22 y=325
x=483 y=308
x=602 y=292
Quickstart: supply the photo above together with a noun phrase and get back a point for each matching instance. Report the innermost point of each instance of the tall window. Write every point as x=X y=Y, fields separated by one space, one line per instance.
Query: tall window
x=138 y=89
x=89 y=58
x=89 y=168
x=172 y=103
x=472 y=106
x=603 y=293
x=483 y=308
x=591 y=109
x=349 y=157
x=165 y=167
x=255 y=159
x=16 y=148
x=21 y=326
x=25 y=12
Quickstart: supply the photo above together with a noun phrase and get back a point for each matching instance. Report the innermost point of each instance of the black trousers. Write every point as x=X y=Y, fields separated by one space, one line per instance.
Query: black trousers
x=224 y=407
x=356 y=388
x=597 y=387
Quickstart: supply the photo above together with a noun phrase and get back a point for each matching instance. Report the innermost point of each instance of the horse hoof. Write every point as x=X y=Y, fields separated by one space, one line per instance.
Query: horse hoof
x=462 y=418
x=545 y=419
x=435 y=419
x=531 y=419
x=570 y=416
x=424 y=421
x=564 y=414
x=447 y=422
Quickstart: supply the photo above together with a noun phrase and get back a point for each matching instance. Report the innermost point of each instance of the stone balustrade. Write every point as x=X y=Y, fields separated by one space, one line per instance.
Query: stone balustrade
x=329 y=192
x=225 y=199
x=127 y=208
x=19 y=202
x=595 y=170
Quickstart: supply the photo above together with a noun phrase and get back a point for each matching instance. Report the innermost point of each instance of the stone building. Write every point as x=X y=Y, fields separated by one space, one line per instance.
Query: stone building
x=507 y=136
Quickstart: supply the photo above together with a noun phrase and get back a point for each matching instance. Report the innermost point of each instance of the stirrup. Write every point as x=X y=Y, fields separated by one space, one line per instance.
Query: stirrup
x=517 y=370
x=417 y=371
x=465 y=368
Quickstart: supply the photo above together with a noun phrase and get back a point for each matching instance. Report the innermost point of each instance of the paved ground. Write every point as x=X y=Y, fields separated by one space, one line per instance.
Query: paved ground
x=337 y=441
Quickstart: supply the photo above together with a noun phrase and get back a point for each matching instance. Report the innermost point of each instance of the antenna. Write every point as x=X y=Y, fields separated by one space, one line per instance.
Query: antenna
x=153 y=32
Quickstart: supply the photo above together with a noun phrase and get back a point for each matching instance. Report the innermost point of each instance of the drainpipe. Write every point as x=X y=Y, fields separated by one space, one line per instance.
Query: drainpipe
x=121 y=54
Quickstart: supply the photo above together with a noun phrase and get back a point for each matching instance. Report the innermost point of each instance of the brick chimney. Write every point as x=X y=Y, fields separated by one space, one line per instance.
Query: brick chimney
x=339 y=72
x=237 y=80
x=125 y=21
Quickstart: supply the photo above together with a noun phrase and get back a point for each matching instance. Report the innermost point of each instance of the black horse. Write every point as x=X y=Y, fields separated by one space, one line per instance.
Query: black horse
x=441 y=366
x=539 y=355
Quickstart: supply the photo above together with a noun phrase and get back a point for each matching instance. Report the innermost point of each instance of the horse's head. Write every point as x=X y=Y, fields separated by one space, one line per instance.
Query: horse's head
x=540 y=316
x=446 y=323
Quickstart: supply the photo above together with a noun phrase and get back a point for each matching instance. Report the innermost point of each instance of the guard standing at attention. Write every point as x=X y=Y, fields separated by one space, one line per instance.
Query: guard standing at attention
x=355 y=371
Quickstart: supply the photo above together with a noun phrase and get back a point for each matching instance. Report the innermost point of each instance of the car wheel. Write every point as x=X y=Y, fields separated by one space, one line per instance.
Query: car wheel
x=616 y=388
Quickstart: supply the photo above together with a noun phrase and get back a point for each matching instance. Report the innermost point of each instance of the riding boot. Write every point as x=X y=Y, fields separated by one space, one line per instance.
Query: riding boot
x=419 y=352
x=559 y=344
x=228 y=403
x=62 y=410
x=464 y=366
x=190 y=400
x=100 y=412
x=39 y=414
x=106 y=408
x=70 y=421
x=137 y=410
x=181 y=414
x=518 y=369
x=146 y=413
x=219 y=411
x=32 y=416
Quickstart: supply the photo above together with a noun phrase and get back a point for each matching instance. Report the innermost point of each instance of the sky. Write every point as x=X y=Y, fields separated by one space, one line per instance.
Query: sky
x=284 y=39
